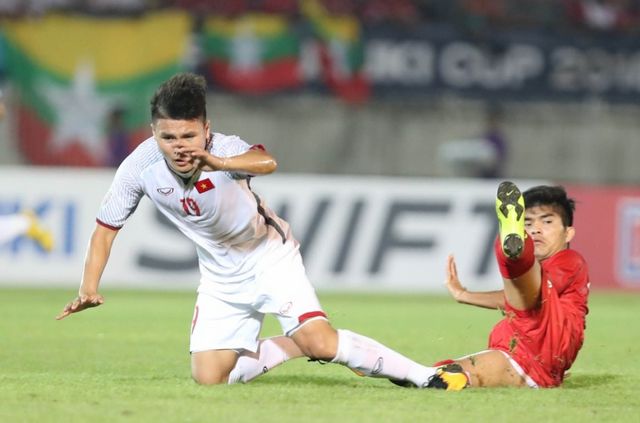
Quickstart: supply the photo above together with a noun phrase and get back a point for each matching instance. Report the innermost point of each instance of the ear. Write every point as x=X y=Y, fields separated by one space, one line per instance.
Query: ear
x=207 y=128
x=153 y=129
x=570 y=232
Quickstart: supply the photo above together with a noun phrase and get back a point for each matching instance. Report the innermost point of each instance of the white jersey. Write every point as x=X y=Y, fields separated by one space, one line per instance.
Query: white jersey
x=235 y=234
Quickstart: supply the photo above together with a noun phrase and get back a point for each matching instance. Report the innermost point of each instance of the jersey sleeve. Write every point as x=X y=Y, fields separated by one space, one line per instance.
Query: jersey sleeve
x=570 y=275
x=123 y=196
x=229 y=146
x=568 y=270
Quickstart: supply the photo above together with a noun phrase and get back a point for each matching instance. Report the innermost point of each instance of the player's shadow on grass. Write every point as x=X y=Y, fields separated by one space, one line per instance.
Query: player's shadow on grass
x=588 y=381
x=310 y=380
x=573 y=382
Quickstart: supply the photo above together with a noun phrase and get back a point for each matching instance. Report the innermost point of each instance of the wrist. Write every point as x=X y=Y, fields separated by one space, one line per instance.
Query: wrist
x=460 y=294
x=87 y=291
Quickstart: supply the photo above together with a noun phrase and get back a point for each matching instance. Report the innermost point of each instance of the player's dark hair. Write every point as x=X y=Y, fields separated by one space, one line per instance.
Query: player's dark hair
x=553 y=196
x=183 y=97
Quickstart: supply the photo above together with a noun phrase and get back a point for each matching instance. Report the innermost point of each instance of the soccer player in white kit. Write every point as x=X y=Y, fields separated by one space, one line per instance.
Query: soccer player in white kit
x=249 y=262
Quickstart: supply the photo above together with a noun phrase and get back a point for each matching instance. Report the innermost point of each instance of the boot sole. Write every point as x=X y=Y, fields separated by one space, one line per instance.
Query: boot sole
x=508 y=195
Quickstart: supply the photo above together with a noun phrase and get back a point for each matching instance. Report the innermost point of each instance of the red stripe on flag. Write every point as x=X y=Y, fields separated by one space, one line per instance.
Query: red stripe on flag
x=310 y=315
x=275 y=76
x=35 y=143
x=353 y=89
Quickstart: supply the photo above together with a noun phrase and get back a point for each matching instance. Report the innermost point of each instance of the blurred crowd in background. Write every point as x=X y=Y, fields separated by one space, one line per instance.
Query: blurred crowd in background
x=538 y=86
x=621 y=16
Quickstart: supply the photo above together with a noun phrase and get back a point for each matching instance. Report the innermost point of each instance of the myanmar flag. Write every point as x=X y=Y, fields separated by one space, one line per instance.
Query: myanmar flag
x=84 y=83
x=254 y=53
x=341 y=51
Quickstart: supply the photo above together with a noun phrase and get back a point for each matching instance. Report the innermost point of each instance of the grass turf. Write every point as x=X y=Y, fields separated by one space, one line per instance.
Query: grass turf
x=128 y=361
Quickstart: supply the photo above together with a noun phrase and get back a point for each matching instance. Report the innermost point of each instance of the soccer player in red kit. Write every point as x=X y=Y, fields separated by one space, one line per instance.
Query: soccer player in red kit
x=544 y=300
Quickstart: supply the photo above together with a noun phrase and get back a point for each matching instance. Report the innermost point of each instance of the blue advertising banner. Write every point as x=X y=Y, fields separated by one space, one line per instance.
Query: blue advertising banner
x=509 y=65
x=435 y=60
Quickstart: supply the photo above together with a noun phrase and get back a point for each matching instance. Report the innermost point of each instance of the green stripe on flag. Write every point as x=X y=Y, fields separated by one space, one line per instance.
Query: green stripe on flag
x=272 y=48
x=271 y=36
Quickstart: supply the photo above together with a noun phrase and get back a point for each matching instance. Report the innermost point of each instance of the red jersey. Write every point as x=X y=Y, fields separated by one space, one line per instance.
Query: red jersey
x=545 y=341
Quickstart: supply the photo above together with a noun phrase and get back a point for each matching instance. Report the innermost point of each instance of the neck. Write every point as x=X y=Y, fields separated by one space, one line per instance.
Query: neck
x=184 y=175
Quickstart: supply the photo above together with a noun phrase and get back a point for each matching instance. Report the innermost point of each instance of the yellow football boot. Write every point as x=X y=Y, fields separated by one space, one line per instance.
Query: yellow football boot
x=450 y=377
x=510 y=211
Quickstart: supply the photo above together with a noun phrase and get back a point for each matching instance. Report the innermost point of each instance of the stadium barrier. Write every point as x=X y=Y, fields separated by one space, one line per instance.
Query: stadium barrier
x=356 y=233
x=608 y=223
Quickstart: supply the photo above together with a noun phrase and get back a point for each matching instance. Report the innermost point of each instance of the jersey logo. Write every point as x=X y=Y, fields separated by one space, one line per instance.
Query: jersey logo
x=165 y=191
x=204 y=185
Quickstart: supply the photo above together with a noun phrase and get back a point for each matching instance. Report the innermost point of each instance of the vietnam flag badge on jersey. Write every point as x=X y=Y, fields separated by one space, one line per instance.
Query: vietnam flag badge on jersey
x=204 y=185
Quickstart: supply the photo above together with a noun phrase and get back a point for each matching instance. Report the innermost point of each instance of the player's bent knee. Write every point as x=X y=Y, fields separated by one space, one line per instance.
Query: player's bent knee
x=321 y=349
x=318 y=342
x=212 y=367
x=209 y=378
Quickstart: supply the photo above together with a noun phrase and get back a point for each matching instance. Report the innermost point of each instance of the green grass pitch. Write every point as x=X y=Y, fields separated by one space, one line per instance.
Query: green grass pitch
x=128 y=361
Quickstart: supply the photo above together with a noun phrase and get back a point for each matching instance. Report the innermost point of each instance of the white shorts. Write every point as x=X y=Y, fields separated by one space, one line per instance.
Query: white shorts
x=530 y=383
x=224 y=322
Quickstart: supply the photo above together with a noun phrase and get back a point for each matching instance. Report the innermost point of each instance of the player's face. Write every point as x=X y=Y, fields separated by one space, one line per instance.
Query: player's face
x=545 y=227
x=170 y=134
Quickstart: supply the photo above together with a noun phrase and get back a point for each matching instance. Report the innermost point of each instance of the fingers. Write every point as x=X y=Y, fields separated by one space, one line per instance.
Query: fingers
x=80 y=303
x=63 y=314
x=451 y=267
x=93 y=300
x=454 y=268
x=452 y=282
x=65 y=311
x=185 y=148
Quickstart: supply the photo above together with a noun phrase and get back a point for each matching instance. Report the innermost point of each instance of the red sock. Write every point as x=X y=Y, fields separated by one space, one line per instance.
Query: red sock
x=443 y=362
x=512 y=268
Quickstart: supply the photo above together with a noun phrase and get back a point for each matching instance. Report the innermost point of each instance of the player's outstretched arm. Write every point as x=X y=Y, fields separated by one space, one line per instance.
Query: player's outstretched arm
x=493 y=299
x=95 y=262
x=252 y=162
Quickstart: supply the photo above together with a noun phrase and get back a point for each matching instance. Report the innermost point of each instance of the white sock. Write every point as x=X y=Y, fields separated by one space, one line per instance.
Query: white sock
x=12 y=226
x=371 y=358
x=271 y=353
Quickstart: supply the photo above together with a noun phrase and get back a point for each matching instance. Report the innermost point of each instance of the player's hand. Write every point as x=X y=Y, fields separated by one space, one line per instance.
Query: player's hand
x=81 y=302
x=452 y=281
x=200 y=157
